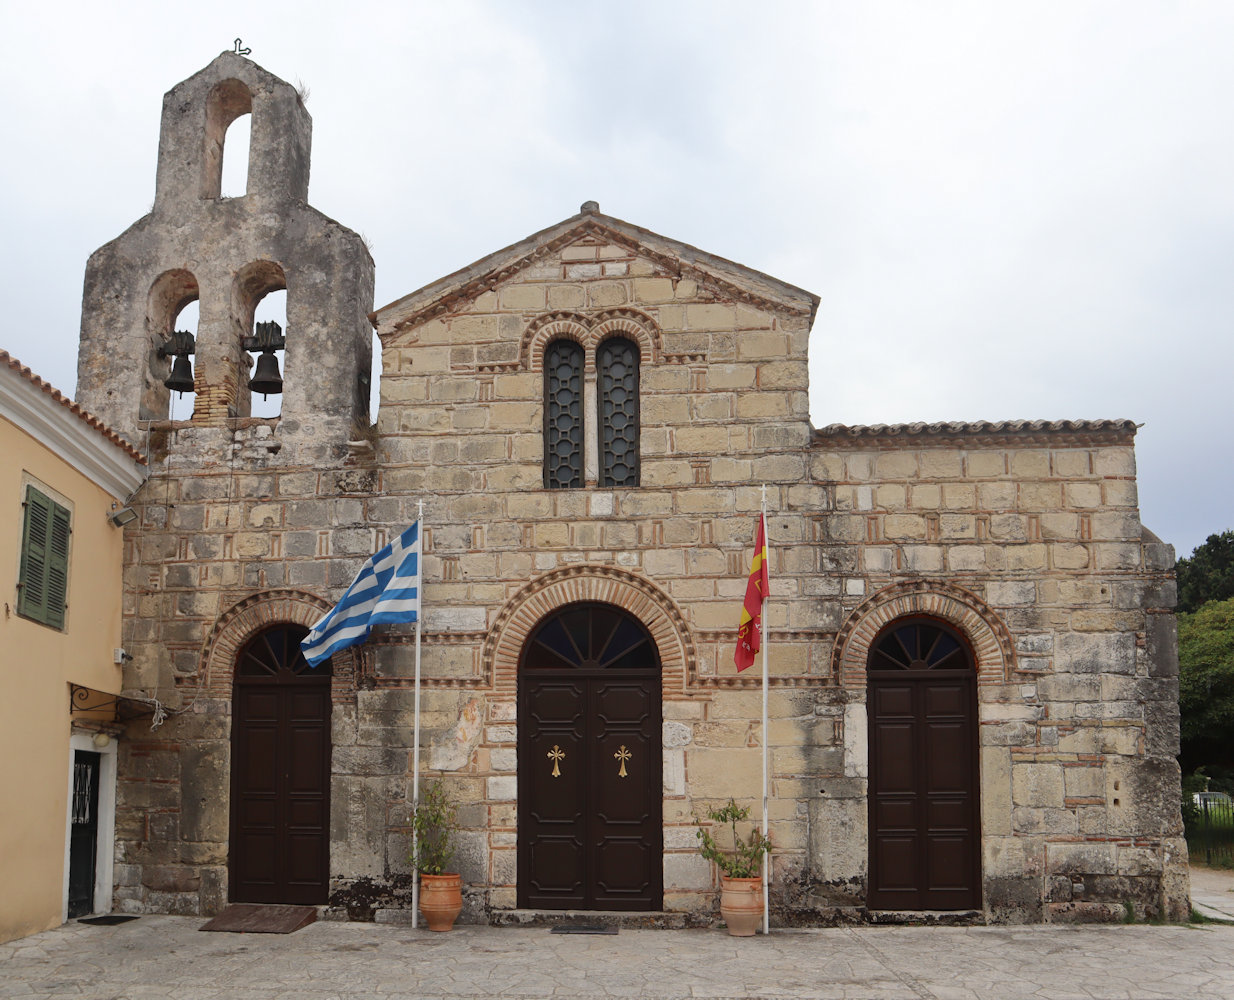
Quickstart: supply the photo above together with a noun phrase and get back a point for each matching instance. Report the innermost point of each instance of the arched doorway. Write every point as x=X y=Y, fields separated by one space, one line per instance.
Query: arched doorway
x=925 y=834
x=590 y=793
x=280 y=772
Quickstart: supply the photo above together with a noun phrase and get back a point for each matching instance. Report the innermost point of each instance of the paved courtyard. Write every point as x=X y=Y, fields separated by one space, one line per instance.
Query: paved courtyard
x=168 y=958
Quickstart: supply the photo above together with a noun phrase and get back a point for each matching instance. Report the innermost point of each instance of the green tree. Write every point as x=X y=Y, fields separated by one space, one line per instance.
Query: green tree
x=1206 y=684
x=1208 y=573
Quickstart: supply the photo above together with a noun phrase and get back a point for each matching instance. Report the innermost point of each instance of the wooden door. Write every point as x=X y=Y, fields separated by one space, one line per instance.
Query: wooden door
x=925 y=834
x=280 y=773
x=589 y=764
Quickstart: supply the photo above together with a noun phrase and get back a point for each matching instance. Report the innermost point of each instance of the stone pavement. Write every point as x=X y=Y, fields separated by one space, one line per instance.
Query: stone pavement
x=1212 y=892
x=169 y=959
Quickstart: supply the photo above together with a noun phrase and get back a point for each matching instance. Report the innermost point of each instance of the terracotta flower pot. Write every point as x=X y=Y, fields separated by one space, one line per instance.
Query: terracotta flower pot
x=741 y=904
x=441 y=900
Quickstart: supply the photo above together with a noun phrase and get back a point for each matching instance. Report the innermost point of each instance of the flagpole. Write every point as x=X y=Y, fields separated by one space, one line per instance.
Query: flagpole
x=765 y=643
x=415 y=741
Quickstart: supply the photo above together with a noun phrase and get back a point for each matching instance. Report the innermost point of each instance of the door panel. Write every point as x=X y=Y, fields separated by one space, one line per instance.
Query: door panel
x=280 y=768
x=924 y=816
x=590 y=835
x=589 y=763
x=84 y=832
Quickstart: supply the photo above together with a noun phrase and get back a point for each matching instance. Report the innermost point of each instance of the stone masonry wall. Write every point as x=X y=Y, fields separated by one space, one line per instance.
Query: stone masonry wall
x=723 y=408
x=1029 y=541
x=1079 y=786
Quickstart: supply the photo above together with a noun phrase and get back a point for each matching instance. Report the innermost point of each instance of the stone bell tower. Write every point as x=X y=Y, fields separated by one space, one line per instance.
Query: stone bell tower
x=227 y=253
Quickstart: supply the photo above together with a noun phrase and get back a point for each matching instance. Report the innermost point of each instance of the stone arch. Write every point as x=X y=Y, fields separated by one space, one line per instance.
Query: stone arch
x=252 y=283
x=589 y=331
x=632 y=325
x=244 y=619
x=228 y=100
x=988 y=636
x=600 y=584
x=544 y=330
x=169 y=294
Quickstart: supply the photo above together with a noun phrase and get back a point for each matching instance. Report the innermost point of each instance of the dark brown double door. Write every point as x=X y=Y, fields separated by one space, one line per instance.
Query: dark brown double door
x=924 y=817
x=589 y=764
x=280 y=773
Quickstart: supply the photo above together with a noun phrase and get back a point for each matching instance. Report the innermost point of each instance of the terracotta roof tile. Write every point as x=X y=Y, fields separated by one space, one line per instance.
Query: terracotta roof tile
x=86 y=417
x=943 y=429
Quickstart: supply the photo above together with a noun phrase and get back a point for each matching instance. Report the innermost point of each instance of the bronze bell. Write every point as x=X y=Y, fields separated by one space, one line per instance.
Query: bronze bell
x=181 y=378
x=267 y=378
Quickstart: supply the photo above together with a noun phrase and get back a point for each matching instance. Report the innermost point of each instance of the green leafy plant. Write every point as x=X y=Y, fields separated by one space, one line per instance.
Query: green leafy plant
x=434 y=821
x=744 y=859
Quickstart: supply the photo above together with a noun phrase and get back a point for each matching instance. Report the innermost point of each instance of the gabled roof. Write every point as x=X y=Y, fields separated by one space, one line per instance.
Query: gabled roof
x=450 y=293
x=79 y=437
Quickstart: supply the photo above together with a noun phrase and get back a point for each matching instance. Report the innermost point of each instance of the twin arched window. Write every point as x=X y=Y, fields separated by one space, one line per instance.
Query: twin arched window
x=616 y=424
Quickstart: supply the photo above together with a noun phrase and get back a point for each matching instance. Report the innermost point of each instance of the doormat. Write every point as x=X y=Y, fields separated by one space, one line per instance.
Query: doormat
x=261 y=918
x=583 y=929
x=108 y=920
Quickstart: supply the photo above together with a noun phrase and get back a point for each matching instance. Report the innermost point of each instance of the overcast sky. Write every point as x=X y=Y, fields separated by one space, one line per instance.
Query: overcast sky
x=1008 y=210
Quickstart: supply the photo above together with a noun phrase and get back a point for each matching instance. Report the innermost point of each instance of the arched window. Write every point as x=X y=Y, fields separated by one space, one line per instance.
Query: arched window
x=563 y=415
x=617 y=370
x=919 y=644
x=590 y=636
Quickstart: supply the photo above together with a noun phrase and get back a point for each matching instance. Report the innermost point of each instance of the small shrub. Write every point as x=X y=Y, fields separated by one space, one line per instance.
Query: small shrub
x=434 y=822
x=745 y=858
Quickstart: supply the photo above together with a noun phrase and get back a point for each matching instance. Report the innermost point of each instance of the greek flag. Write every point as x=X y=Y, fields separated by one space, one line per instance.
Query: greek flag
x=386 y=590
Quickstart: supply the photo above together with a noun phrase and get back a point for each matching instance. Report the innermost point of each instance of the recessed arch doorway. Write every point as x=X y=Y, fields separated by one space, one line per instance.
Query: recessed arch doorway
x=280 y=772
x=925 y=831
x=590 y=834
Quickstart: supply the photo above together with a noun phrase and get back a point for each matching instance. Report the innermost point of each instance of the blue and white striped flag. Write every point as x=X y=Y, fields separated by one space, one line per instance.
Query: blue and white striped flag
x=385 y=591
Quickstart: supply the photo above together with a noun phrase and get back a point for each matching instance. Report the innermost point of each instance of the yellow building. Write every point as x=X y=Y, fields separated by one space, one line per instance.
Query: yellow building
x=63 y=484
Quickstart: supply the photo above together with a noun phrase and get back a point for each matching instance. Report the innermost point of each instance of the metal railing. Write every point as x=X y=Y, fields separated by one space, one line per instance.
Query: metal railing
x=1210 y=832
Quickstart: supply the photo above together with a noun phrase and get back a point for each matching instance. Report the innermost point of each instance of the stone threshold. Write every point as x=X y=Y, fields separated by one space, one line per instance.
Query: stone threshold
x=633 y=919
x=936 y=917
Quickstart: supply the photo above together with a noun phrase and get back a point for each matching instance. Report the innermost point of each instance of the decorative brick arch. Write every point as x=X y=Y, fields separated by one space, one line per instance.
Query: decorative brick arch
x=603 y=584
x=589 y=331
x=991 y=642
x=246 y=618
x=544 y=330
x=632 y=325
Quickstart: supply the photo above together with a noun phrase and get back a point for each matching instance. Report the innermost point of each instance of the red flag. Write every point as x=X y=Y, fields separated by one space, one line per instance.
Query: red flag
x=750 y=631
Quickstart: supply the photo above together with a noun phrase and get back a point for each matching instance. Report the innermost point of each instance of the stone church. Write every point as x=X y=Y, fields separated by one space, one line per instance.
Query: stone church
x=973 y=676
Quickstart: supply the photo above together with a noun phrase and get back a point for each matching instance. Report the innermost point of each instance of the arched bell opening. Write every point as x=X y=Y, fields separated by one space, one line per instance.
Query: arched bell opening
x=259 y=305
x=170 y=390
x=229 y=101
x=590 y=787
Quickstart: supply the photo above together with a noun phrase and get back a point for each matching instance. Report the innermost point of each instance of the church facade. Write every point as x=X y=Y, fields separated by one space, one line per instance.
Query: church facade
x=973 y=675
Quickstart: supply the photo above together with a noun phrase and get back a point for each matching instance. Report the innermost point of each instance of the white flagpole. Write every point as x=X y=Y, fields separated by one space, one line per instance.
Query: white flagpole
x=415 y=742
x=763 y=638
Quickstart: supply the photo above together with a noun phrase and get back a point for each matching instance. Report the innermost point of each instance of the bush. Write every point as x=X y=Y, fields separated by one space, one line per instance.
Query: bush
x=434 y=821
x=745 y=858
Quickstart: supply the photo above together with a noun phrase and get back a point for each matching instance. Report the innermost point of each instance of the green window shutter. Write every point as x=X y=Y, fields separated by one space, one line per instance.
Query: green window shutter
x=43 y=586
x=58 y=567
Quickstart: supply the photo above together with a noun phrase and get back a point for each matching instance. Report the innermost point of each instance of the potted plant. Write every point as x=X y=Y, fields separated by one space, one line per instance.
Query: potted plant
x=741 y=883
x=441 y=891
